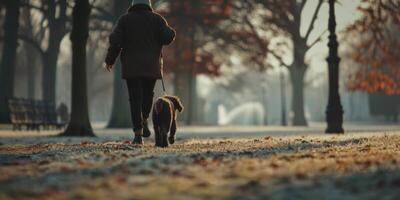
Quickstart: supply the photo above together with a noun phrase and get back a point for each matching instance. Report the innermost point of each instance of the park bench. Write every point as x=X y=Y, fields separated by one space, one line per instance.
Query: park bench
x=33 y=114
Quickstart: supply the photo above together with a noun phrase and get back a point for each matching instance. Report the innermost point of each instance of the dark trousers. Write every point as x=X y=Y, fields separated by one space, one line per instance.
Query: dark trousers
x=141 y=93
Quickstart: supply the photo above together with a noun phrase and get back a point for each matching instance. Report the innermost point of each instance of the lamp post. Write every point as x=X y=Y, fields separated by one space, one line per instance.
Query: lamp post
x=334 y=111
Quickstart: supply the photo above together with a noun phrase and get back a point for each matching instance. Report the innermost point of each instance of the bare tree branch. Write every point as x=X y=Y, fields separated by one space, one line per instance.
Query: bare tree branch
x=31 y=6
x=314 y=18
x=303 y=3
x=319 y=38
x=103 y=14
x=32 y=42
x=279 y=58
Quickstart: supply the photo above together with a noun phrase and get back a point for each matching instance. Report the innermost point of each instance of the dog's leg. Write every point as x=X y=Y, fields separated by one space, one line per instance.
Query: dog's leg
x=172 y=133
x=164 y=136
x=157 y=133
x=161 y=134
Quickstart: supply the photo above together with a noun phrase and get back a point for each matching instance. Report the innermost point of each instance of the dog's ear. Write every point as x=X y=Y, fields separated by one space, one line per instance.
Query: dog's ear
x=177 y=103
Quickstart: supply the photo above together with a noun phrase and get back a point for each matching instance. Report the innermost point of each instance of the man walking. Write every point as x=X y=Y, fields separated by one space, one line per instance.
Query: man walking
x=138 y=39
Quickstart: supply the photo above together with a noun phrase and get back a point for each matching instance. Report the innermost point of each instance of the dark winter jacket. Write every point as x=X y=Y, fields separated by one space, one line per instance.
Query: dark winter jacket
x=139 y=36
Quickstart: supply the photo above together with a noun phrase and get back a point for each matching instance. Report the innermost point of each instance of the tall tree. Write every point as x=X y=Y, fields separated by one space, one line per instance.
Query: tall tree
x=7 y=65
x=29 y=51
x=377 y=48
x=79 y=124
x=240 y=33
x=55 y=13
x=187 y=58
x=261 y=20
x=120 y=115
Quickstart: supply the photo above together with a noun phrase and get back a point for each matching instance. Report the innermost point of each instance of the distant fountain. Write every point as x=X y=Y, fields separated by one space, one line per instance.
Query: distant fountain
x=251 y=113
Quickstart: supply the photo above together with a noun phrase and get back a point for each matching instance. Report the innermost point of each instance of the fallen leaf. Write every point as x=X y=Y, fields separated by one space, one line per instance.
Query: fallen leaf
x=268 y=138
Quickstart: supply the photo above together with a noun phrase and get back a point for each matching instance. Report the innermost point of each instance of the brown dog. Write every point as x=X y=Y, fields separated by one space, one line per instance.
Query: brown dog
x=164 y=119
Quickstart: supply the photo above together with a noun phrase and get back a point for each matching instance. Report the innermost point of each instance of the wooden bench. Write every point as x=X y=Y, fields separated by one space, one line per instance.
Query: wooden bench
x=33 y=114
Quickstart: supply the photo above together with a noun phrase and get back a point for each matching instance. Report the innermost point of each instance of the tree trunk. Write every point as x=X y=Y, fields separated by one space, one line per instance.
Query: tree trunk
x=297 y=80
x=264 y=100
x=120 y=114
x=30 y=55
x=50 y=70
x=57 y=17
x=283 y=98
x=79 y=124
x=182 y=90
x=9 y=53
x=192 y=103
x=31 y=69
x=297 y=73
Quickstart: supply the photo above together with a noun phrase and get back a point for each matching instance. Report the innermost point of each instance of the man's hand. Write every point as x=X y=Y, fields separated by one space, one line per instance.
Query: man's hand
x=108 y=67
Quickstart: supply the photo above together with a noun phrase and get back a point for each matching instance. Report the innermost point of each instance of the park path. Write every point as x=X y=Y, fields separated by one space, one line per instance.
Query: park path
x=352 y=166
x=200 y=132
x=205 y=163
x=357 y=165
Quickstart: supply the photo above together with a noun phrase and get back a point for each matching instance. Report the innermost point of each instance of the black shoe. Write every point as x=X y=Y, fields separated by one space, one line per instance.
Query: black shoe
x=146 y=130
x=138 y=137
x=138 y=140
x=171 y=140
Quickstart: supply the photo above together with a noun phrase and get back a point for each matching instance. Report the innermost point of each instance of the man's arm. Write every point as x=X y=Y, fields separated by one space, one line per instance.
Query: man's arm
x=115 y=40
x=167 y=33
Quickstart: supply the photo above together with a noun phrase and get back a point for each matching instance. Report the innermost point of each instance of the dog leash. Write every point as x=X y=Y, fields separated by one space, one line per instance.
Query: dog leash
x=163 y=86
x=162 y=74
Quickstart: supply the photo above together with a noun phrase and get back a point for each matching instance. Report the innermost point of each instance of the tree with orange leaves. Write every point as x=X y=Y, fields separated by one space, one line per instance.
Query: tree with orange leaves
x=377 y=50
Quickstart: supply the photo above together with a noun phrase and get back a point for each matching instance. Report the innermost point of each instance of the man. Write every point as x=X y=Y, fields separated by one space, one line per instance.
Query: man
x=138 y=38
